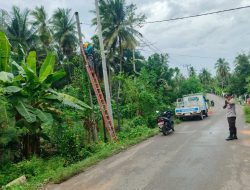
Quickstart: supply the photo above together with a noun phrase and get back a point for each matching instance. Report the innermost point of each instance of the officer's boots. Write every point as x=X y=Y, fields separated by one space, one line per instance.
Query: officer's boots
x=230 y=137
x=235 y=135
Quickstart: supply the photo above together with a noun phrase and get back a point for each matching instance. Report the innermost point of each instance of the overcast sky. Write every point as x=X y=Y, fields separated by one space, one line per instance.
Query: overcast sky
x=198 y=41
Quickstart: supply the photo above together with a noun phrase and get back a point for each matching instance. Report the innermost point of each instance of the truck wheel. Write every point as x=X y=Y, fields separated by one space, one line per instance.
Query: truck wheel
x=206 y=113
x=201 y=116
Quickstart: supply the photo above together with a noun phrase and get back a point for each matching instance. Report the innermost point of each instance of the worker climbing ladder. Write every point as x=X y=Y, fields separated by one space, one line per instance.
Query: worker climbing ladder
x=97 y=89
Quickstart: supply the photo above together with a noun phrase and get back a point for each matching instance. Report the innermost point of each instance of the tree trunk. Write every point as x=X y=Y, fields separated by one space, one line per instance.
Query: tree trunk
x=31 y=145
x=105 y=138
x=118 y=110
x=94 y=128
x=121 y=54
x=36 y=144
x=110 y=80
x=119 y=88
x=26 y=148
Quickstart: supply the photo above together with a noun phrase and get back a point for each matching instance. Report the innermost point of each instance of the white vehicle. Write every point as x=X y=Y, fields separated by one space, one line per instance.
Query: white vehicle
x=192 y=105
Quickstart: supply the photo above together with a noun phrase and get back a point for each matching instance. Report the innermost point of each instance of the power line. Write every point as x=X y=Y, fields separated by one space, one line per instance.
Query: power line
x=175 y=63
x=154 y=48
x=85 y=23
x=186 y=17
x=198 y=15
x=149 y=45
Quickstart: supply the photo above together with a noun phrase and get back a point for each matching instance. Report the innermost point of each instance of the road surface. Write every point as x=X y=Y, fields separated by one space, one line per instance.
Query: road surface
x=195 y=157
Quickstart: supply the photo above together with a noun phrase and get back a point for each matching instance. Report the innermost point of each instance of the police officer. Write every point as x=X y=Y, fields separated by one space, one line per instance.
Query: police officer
x=231 y=116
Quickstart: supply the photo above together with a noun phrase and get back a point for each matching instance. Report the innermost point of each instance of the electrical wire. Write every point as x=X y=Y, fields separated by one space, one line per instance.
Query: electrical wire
x=198 y=15
x=154 y=48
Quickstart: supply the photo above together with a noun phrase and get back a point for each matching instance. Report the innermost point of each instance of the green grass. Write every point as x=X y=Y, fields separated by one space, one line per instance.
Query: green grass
x=40 y=172
x=247 y=113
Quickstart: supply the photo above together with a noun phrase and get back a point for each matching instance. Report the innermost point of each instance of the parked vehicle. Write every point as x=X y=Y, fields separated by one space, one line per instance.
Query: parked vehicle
x=192 y=105
x=165 y=123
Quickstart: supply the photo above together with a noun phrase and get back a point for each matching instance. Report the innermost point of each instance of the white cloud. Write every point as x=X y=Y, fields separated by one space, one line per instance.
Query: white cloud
x=157 y=10
x=221 y=35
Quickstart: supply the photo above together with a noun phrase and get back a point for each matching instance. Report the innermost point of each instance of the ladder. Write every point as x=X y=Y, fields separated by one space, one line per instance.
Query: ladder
x=100 y=98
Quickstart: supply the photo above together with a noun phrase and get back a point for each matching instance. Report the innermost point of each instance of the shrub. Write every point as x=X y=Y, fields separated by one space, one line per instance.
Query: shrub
x=247 y=113
x=69 y=141
x=137 y=121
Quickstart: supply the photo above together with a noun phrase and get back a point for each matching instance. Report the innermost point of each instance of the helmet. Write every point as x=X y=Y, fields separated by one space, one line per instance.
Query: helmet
x=86 y=44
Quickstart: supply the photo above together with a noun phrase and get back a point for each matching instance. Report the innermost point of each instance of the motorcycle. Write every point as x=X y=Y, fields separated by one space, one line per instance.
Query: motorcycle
x=212 y=103
x=165 y=123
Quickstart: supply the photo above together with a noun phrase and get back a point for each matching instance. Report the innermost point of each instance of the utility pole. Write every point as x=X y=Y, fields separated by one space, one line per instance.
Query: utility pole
x=94 y=127
x=104 y=65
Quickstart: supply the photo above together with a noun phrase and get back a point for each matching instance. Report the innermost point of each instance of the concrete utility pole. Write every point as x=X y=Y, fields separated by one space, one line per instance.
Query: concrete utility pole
x=104 y=65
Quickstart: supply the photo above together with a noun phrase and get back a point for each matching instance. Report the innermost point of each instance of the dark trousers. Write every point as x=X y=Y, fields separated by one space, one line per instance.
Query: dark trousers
x=232 y=127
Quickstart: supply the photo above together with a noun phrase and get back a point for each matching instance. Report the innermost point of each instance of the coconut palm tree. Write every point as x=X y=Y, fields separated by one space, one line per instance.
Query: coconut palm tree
x=205 y=77
x=41 y=22
x=4 y=17
x=222 y=70
x=64 y=30
x=19 y=30
x=191 y=72
x=118 y=23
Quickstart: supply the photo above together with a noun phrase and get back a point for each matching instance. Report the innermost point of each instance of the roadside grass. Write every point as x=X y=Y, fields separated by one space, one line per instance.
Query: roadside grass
x=40 y=172
x=247 y=113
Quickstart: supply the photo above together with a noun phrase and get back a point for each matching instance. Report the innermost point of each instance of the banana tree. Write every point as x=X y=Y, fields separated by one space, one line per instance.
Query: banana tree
x=29 y=92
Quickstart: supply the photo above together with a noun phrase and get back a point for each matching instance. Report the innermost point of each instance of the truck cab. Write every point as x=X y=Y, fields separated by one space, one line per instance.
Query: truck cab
x=192 y=105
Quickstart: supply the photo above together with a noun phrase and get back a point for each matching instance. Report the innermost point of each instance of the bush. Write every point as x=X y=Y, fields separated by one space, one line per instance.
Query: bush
x=152 y=121
x=30 y=168
x=128 y=110
x=247 y=113
x=132 y=133
x=137 y=121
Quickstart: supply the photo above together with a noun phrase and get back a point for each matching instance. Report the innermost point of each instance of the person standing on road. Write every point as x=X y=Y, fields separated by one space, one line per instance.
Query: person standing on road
x=231 y=116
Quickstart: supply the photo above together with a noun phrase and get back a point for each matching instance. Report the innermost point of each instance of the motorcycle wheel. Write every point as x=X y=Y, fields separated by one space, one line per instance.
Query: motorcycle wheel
x=165 y=131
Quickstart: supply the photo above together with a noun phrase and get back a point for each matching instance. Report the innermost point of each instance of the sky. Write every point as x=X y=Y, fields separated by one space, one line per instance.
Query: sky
x=198 y=42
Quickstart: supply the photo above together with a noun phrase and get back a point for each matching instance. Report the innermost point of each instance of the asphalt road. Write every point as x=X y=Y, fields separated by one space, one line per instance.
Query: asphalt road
x=195 y=157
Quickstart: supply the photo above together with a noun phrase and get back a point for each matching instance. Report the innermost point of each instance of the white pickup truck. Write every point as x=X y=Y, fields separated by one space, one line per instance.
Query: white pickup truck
x=192 y=105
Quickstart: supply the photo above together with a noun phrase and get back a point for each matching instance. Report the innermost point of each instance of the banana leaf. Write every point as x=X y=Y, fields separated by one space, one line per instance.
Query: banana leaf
x=29 y=73
x=31 y=61
x=45 y=117
x=73 y=102
x=19 y=68
x=6 y=77
x=12 y=89
x=26 y=112
x=70 y=100
x=47 y=67
x=55 y=76
x=4 y=52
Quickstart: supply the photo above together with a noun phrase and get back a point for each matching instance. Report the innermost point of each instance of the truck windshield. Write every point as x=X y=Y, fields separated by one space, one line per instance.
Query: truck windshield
x=191 y=101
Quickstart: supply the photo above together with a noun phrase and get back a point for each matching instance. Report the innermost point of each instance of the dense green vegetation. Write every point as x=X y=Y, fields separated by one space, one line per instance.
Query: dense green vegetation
x=247 y=113
x=48 y=113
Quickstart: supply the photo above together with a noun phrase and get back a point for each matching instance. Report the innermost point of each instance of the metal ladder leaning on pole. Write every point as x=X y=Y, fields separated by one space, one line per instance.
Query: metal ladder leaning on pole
x=97 y=89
